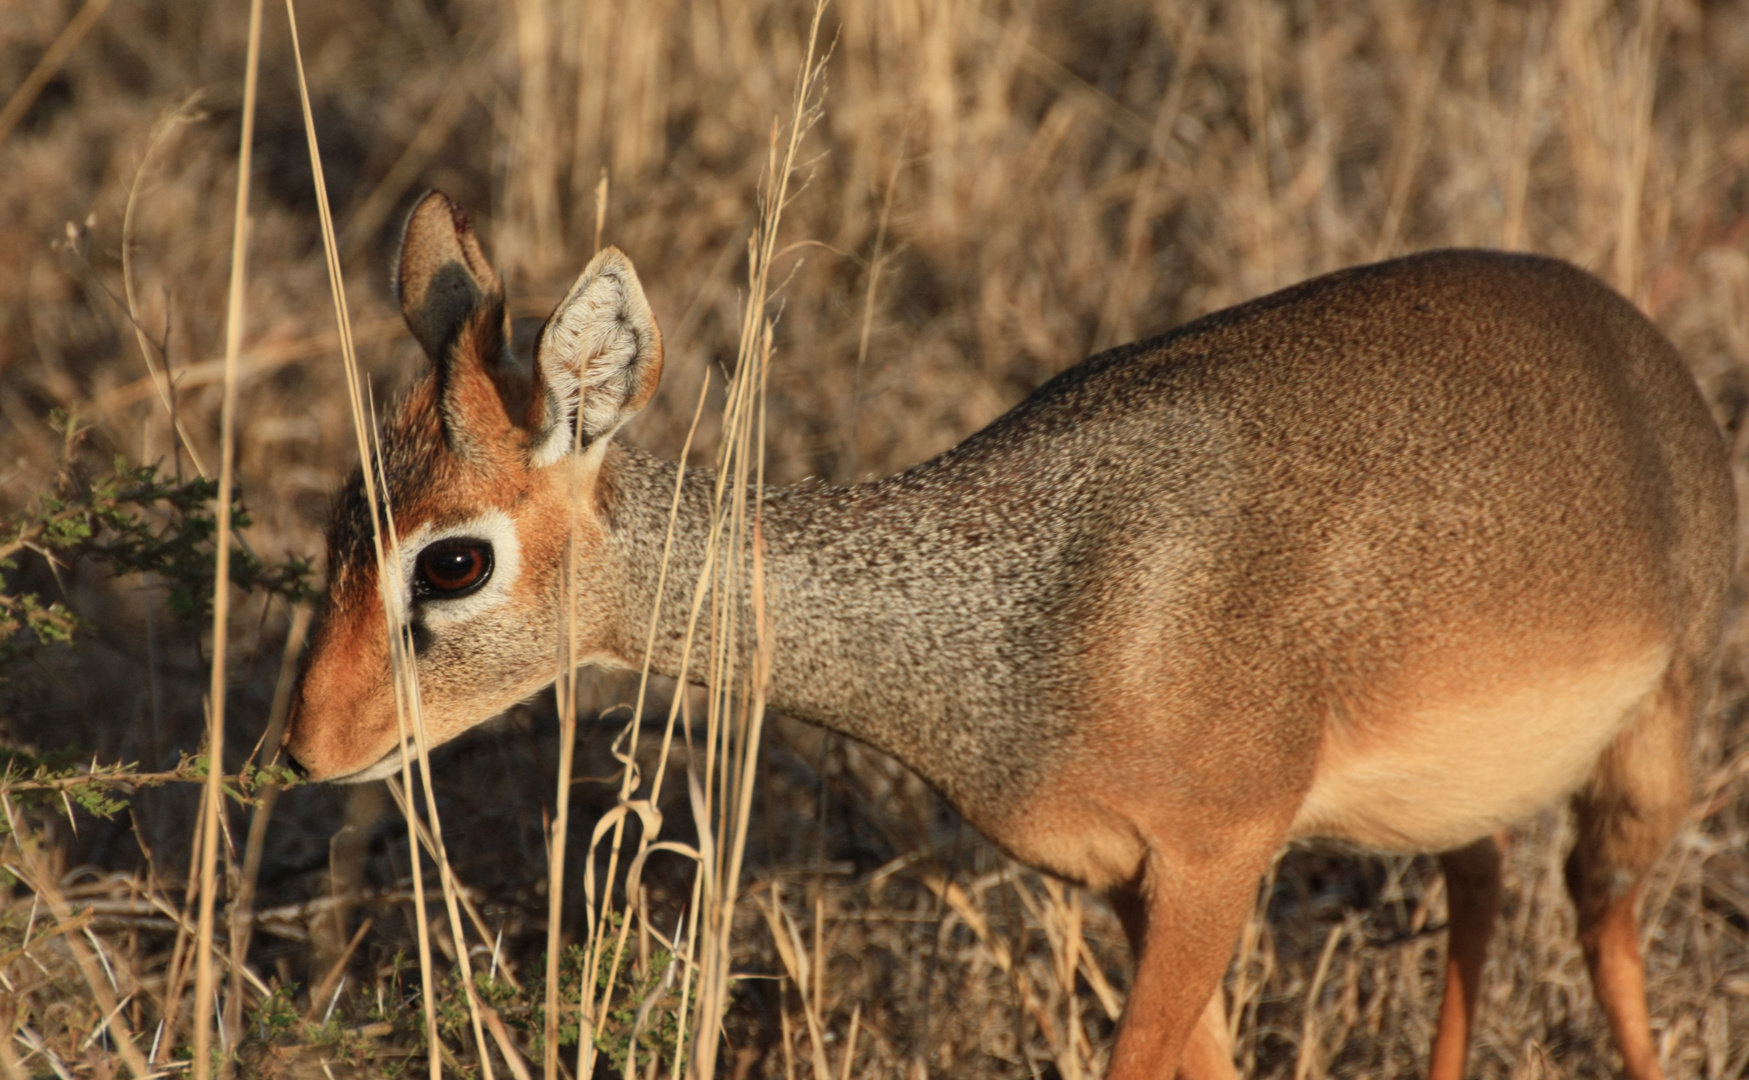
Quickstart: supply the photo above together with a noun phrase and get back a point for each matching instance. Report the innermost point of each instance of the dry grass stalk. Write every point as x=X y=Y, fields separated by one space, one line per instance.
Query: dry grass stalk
x=364 y=429
x=155 y=378
x=213 y=806
x=733 y=681
x=744 y=430
x=242 y=907
x=38 y=875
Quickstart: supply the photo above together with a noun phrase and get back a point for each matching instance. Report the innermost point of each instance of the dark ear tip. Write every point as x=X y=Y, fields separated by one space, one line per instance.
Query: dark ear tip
x=436 y=214
x=414 y=228
x=435 y=220
x=443 y=274
x=435 y=203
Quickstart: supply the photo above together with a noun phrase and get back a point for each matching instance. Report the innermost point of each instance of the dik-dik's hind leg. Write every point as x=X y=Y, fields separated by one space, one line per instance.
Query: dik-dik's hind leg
x=1182 y=919
x=1472 y=889
x=1626 y=817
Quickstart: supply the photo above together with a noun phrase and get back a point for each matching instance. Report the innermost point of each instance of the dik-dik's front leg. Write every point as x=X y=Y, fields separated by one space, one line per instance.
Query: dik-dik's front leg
x=1182 y=917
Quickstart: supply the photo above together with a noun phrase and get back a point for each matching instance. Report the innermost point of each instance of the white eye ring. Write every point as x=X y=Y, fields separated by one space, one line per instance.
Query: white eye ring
x=495 y=531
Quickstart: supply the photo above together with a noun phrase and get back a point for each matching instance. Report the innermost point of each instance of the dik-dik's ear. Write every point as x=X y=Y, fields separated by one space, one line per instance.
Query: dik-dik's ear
x=454 y=305
x=603 y=343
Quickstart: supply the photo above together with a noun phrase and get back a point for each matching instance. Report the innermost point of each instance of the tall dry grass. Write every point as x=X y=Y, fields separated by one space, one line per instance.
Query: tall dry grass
x=991 y=191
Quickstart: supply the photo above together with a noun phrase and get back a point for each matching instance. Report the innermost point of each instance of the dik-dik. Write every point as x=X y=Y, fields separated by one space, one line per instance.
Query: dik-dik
x=1395 y=557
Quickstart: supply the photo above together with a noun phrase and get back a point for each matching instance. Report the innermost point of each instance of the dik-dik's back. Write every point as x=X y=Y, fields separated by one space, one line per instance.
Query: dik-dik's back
x=1396 y=557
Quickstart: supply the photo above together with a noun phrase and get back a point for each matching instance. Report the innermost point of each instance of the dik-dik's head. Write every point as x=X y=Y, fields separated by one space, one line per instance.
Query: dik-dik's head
x=486 y=466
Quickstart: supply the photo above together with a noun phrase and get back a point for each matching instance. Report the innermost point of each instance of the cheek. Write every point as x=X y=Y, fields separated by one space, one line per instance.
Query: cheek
x=477 y=666
x=543 y=548
x=471 y=673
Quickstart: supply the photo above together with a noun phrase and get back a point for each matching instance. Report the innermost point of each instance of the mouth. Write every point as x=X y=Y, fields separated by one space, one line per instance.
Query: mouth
x=383 y=768
x=380 y=769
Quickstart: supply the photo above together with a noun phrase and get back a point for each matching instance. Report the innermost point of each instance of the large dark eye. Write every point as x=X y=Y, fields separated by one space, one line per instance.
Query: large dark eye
x=451 y=568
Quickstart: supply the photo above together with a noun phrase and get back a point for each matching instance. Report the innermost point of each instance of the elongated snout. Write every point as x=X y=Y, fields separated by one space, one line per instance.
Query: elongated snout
x=342 y=718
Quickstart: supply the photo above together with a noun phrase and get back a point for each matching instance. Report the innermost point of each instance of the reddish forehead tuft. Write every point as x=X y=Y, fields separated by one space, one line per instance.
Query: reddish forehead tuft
x=427 y=480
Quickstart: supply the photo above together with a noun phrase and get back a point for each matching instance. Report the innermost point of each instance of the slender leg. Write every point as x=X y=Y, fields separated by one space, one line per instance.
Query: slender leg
x=1472 y=885
x=1611 y=941
x=1626 y=817
x=1182 y=921
x=1209 y=1054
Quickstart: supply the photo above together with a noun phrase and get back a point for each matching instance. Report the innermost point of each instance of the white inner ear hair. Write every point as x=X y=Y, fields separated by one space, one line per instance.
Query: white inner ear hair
x=600 y=331
x=494 y=527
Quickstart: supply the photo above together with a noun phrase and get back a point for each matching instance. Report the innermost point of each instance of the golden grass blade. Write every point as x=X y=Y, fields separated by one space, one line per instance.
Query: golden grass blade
x=1257 y=109
x=400 y=788
x=243 y=904
x=180 y=955
x=799 y=968
x=850 y=1041
x=866 y=329
x=588 y=1007
x=1640 y=90
x=733 y=735
x=560 y=830
x=408 y=674
x=565 y=689
x=661 y=585
x=158 y=381
x=427 y=974
x=213 y=806
x=647 y=836
x=447 y=884
x=398 y=793
x=410 y=719
x=1309 y=1063
x=323 y=992
x=512 y=1057
x=368 y=441
x=600 y=208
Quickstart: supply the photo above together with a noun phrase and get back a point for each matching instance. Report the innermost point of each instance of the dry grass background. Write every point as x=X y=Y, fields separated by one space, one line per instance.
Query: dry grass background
x=995 y=190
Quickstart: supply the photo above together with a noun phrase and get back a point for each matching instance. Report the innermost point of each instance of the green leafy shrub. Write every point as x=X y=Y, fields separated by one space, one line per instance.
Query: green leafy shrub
x=125 y=519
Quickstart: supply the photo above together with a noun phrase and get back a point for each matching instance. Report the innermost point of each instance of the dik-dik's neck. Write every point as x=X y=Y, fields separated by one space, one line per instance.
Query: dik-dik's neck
x=899 y=616
x=831 y=594
x=638 y=496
